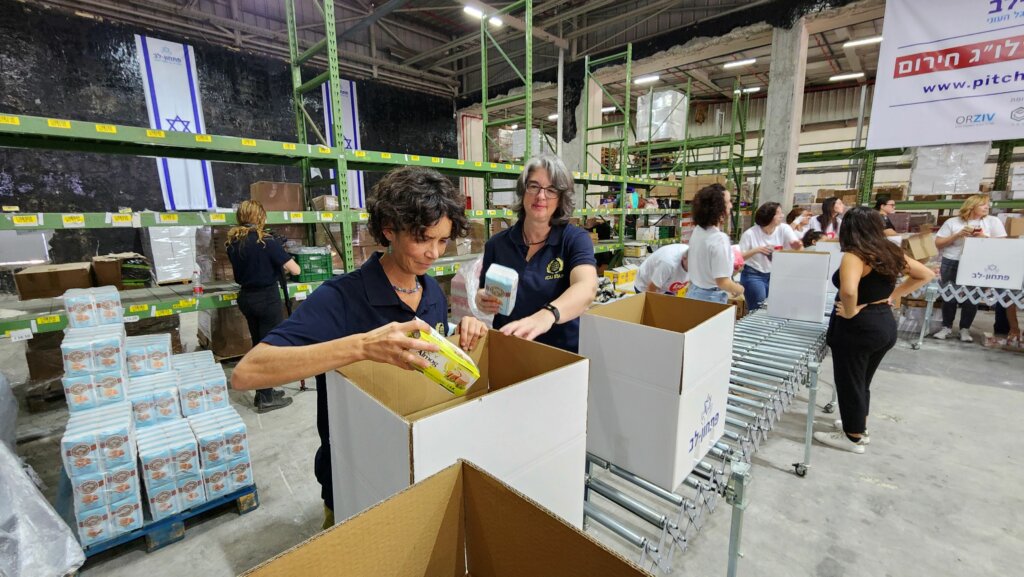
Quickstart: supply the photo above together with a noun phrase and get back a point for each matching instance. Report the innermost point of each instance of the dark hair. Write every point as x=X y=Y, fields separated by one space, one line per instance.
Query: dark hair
x=881 y=200
x=709 y=205
x=797 y=211
x=828 y=214
x=811 y=237
x=766 y=213
x=560 y=178
x=863 y=234
x=412 y=199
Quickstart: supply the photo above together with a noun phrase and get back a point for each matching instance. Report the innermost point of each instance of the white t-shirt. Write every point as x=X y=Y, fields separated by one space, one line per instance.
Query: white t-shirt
x=710 y=257
x=990 y=225
x=755 y=237
x=664 y=269
x=815 y=224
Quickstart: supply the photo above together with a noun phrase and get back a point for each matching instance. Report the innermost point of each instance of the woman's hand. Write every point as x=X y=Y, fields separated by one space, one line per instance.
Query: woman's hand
x=841 y=310
x=392 y=344
x=765 y=250
x=530 y=327
x=487 y=303
x=471 y=330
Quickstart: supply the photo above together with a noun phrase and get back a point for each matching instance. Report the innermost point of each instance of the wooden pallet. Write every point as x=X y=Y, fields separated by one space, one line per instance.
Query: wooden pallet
x=172 y=529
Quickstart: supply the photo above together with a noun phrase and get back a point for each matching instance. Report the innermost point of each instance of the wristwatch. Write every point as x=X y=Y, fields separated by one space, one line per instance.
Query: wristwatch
x=554 y=311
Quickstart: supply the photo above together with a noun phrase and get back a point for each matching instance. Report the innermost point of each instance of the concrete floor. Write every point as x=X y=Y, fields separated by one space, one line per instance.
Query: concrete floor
x=935 y=493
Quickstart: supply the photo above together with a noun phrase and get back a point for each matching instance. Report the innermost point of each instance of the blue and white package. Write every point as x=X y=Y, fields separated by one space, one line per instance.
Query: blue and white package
x=125 y=515
x=79 y=393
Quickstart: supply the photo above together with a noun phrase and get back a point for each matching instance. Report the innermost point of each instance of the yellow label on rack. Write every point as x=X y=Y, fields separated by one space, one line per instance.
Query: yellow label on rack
x=218 y=217
x=106 y=128
x=168 y=218
x=455 y=267
x=364 y=216
x=204 y=138
x=508 y=167
x=156 y=133
x=323 y=149
x=12 y=120
x=121 y=219
x=477 y=163
x=138 y=308
x=26 y=220
x=460 y=162
x=414 y=157
x=295 y=216
x=55 y=123
x=248 y=142
x=438 y=270
x=435 y=159
x=385 y=155
x=184 y=304
x=288 y=145
x=575 y=174
x=327 y=216
x=493 y=165
x=360 y=153
x=478 y=212
x=48 y=320
x=492 y=213
x=228 y=297
x=163 y=313
x=11 y=208
x=73 y=220
x=302 y=288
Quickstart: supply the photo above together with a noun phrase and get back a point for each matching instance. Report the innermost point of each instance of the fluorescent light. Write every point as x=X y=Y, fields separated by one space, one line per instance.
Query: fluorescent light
x=862 y=42
x=608 y=109
x=495 y=21
x=750 y=90
x=553 y=117
x=647 y=79
x=474 y=12
x=850 y=76
x=513 y=126
x=739 y=63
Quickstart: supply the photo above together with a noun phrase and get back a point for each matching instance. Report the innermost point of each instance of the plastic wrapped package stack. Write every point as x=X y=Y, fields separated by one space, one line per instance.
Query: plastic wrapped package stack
x=538 y=143
x=223 y=451
x=154 y=399
x=196 y=359
x=661 y=115
x=171 y=472
x=148 y=355
x=950 y=168
x=98 y=451
x=201 y=389
x=93 y=307
x=94 y=366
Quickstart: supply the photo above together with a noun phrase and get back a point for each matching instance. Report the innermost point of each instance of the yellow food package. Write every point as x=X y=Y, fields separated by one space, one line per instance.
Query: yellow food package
x=449 y=367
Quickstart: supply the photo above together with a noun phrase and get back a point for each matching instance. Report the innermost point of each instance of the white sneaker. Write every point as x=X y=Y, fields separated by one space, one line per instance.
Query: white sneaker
x=942 y=334
x=839 y=440
x=965 y=336
x=865 y=438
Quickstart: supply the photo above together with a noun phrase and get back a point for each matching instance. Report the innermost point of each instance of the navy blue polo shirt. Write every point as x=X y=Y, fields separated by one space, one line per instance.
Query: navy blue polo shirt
x=358 y=302
x=544 y=278
x=257 y=265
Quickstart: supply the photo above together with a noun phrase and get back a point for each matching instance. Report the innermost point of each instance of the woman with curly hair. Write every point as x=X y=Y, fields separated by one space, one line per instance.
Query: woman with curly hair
x=862 y=328
x=368 y=314
x=711 y=258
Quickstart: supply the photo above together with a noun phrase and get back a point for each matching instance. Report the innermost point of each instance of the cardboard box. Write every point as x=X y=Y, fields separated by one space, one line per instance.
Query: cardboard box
x=1015 y=227
x=108 y=271
x=895 y=192
x=665 y=191
x=920 y=246
x=325 y=202
x=225 y=332
x=278 y=195
x=460 y=521
x=524 y=420
x=51 y=280
x=172 y=252
x=659 y=382
x=798 y=288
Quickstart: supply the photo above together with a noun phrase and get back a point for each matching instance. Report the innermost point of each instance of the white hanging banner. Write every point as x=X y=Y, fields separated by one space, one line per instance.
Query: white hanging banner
x=950 y=71
x=172 y=98
x=349 y=133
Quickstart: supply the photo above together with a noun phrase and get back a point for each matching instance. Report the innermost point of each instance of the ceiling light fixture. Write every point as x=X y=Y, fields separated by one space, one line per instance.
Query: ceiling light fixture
x=553 y=117
x=862 y=42
x=750 y=90
x=474 y=12
x=495 y=21
x=850 y=76
x=739 y=63
x=647 y=79
x=608 y=109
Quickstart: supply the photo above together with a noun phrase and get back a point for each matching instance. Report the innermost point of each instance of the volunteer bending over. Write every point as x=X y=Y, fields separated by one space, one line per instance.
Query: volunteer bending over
x=369 y=313
x=758 y=242
x=710 y=259
x=664 y=271
x=554 y=259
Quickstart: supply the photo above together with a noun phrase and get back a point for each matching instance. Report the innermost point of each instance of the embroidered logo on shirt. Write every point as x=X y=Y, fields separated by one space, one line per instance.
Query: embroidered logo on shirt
x=555 y=268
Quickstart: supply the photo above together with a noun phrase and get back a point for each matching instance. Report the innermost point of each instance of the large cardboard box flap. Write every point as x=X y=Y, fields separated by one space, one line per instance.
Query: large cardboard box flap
x=920 y=246
x=524 y=420
x=460 y=521
x=799 y=283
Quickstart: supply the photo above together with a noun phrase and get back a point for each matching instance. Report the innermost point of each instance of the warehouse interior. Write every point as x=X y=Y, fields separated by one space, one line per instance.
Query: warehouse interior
x=134 y=132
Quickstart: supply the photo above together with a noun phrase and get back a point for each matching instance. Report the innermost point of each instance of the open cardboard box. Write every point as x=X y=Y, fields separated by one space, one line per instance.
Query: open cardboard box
x=524 y=420
x=920 y=247
x=659 y=382
x=459 y=522
x=798 y=288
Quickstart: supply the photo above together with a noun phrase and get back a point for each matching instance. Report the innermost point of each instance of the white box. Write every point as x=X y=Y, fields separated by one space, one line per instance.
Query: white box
x=172 y=250
x=993 y=263
x=659 y=382
x=798 y=287
x=833 y=248
x=524 y=421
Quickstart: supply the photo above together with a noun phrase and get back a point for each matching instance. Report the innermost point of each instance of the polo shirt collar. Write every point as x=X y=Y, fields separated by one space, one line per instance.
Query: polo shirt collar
x=380 y=293
x=516 y=234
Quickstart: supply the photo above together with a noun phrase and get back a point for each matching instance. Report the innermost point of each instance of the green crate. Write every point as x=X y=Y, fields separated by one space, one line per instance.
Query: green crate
x=312 y=276
x=312 y=259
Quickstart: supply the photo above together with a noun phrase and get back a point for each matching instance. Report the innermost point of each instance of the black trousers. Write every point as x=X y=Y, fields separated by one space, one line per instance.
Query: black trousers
x=858 y=347
x=261 y=308
x=968 y=310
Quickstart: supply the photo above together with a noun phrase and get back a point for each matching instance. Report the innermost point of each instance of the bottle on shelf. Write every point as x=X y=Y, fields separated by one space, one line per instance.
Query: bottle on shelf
x=197 y=284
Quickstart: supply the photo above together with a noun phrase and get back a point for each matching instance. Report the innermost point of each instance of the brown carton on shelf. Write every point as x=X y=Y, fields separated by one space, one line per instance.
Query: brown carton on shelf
x=325 y=202
x=665 y=191
x=107 y=269
x=278 y=195
x=1015 y=227
x=52 y=280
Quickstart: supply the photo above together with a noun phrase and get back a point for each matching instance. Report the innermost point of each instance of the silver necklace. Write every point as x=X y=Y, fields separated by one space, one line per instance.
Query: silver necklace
x=407 y=291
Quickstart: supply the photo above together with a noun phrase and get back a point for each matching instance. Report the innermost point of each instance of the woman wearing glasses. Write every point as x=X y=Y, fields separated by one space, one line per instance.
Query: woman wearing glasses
x=554 y=259
x=886 y=206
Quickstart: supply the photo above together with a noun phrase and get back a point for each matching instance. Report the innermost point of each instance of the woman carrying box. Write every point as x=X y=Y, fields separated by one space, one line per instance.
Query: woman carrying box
x=862 y=328
x=554 y=260
x=973 y=221
x=758 y=243
x=711 y=259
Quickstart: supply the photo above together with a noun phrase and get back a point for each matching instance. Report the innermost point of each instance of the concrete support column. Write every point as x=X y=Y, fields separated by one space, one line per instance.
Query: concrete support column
x=785 y=109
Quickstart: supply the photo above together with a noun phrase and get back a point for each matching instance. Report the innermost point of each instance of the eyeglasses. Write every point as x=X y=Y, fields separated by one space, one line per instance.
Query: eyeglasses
x=549 y=191
x=890 y=203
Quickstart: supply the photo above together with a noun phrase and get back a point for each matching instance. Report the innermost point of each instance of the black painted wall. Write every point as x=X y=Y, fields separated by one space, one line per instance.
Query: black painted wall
x=53 y=64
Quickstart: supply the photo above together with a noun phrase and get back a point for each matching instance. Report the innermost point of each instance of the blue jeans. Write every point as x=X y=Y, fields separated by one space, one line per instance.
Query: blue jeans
x=715 y=295
x=755 y=287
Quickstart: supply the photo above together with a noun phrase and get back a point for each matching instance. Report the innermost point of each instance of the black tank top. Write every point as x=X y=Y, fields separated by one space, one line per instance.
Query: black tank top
x=873 y=287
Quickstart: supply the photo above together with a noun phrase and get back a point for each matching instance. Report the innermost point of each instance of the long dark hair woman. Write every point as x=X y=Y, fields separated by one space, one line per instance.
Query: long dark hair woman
x=862 y=328
x=258 y=259
x=830 y=219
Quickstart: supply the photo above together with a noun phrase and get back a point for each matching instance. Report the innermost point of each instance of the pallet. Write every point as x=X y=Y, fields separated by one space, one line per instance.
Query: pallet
x=161 y=533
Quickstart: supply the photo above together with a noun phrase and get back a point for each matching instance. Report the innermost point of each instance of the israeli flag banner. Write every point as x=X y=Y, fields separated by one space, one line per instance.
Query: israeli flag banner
x=350 y=135
x=172 y=98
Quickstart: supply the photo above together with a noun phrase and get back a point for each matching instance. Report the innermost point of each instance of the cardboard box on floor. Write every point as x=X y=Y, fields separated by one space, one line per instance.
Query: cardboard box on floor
x=525 y=420
x=225 y=332
x=798 y=288
x=460 y=521
x=659 y=382
x=51 y=280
